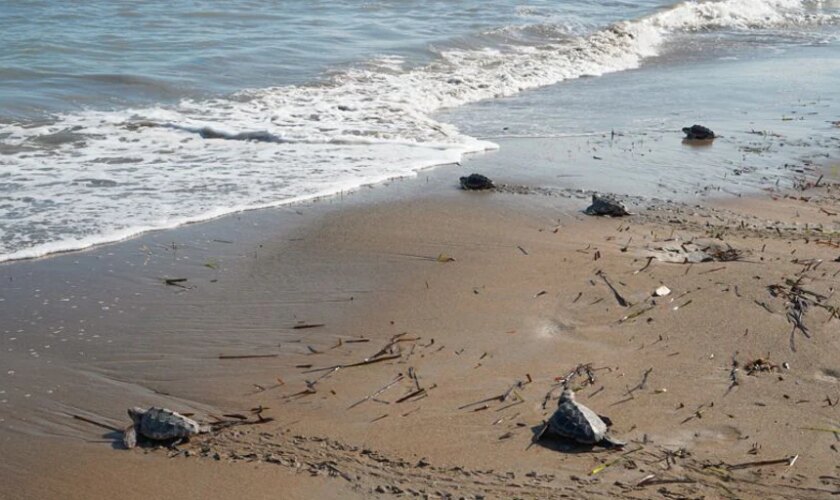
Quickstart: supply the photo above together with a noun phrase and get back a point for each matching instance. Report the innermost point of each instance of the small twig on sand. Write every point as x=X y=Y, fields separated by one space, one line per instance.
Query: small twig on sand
x=761 y=463
x=412 y=373
x=377 y=393
x=603 y=466
x=246 y=356
x=175 y=282
x=98 y=424
x=305 y=326
x=501 y=397
x=650 y=480
x=649 y=260
x=411 y=395
x=396 y=339
x=360 y=363
x=641 y=384
x=636 y=314
x=621 y=300
x=765 y=306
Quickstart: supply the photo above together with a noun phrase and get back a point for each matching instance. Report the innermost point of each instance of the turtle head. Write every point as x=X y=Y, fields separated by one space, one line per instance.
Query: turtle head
x=136 y=414
x=568 y=395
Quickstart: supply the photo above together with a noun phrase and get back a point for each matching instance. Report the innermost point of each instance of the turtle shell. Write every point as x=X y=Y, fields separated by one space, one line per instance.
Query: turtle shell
x=604 y=205
x=162 y=424
x=574 y=421
x=476 y=182
x=698 y=132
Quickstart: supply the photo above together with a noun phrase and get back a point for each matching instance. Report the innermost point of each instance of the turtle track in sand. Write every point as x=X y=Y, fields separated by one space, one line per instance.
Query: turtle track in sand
x=373 y=473
x=369 y=471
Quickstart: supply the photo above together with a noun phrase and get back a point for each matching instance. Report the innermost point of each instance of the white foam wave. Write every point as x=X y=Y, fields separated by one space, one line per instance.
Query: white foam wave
x=166 y=166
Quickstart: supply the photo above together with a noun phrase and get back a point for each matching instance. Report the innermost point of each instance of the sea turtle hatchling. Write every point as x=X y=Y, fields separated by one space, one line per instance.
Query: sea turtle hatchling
x=160 y=424
x=698 y=133
x=575 y=421
x=606 y=205
x=476 y=182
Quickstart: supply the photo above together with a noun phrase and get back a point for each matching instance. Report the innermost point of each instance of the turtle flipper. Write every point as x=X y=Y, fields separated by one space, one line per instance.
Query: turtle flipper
x=130 y=436
x=611 y=442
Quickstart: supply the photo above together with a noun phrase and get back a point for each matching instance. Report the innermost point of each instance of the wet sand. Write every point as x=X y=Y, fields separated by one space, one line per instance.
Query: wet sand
x=460 y=298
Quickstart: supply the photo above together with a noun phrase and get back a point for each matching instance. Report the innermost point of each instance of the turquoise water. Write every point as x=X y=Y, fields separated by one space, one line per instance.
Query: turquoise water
x=119 y=117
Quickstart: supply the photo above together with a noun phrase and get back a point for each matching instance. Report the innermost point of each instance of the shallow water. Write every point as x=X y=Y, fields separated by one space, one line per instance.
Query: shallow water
x=620 y=133
x=120 y=119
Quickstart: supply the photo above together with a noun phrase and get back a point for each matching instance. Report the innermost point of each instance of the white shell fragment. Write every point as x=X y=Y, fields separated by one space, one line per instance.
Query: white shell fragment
x=662 y=291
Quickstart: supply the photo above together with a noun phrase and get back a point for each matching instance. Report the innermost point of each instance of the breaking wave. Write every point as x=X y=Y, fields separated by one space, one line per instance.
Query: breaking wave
x=163 y=166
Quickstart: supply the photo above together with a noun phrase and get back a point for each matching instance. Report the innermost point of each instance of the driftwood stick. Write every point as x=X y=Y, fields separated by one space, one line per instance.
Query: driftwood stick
x=517 y=385
x=306 y=392
x=175 y=282
x=621 y=300
x=487 y=400
x=246 y=356
x=377 y=393
x=765 y=306
x=371 y=361
x=413 y=374
x=413 y=394
x=649 y=260
x=761 y=463
x=637 y=313
x=396 y=339
x=501 y=397
x=98 y=424
x=651 y=480
x=518 y=402
x=641 y=384
x=367 y=361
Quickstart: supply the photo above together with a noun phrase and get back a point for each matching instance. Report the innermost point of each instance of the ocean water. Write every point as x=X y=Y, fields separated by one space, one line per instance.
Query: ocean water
x=123 y=117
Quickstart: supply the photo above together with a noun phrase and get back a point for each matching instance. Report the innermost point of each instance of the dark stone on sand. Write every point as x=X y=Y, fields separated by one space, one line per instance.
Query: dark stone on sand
x=604 y=205
x=698 y=133
x=474 y=182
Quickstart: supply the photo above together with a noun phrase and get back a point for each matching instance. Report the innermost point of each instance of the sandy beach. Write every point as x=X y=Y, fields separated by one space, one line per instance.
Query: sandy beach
x=411 y=339
x=251 y=213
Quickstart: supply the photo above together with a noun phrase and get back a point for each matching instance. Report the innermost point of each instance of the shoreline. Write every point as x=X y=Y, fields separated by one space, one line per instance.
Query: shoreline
x=643 y=156
x=497 y=163
x=129 y=234
x=520 y=302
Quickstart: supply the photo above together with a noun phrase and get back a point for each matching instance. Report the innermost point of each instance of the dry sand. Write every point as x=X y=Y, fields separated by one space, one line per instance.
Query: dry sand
x=472 y=296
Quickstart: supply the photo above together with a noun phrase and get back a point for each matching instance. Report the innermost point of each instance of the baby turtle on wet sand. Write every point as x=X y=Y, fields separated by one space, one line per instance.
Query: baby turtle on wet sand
x=574 y=421
x=475 y=182
x=160 y=424
x=604 y=205
x=698 y=133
